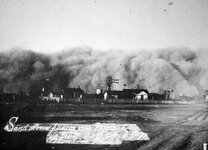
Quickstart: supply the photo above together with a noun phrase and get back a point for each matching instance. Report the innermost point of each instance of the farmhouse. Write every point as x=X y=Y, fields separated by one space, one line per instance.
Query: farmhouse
x=52 y=96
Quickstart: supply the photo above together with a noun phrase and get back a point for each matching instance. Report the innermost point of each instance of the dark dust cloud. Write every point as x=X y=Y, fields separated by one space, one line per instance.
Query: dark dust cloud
x=183 y=70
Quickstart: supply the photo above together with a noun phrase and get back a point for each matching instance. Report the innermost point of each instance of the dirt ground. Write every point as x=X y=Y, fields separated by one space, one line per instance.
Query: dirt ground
x=170 y=127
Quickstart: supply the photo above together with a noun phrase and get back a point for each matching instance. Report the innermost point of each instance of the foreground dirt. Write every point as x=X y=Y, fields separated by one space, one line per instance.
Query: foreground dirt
x=174 y=127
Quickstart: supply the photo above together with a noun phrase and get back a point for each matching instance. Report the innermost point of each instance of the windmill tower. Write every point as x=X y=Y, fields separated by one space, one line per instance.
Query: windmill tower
x=109 y=81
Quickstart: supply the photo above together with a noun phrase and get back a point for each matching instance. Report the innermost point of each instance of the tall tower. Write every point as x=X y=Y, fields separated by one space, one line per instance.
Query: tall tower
x=109 y=81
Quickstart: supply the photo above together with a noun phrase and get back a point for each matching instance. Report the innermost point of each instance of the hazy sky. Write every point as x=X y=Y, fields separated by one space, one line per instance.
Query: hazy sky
x=51 y=25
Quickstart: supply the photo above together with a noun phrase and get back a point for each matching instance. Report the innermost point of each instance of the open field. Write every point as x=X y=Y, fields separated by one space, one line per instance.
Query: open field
x=168 y=126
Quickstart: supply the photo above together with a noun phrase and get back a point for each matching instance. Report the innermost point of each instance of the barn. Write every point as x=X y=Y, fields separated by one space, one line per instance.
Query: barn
x=156 y=96
x=73 y=93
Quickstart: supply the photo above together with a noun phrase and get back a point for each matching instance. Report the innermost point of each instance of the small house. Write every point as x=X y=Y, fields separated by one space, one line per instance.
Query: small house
x=137 y=94
x=141 y=96
x=73 y=93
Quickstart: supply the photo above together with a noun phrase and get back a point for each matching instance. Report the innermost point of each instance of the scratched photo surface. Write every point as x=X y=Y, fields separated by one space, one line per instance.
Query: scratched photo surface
x=104 y=74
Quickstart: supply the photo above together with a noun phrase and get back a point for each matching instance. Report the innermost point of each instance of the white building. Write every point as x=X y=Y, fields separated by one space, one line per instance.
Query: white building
x=52 y=96
x=142 y=96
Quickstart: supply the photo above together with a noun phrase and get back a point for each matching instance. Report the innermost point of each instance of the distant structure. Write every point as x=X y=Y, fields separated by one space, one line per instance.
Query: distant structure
x=167 y=94
x=141 y=96
x=73 y=94
x=206 y=96
x=48 y=95
x=109 y=81
x=156 y=96
x=99 y=91
x=129 y=94
x=8 y=96
x=52 y=96
x=14 y=98
x=137 y=94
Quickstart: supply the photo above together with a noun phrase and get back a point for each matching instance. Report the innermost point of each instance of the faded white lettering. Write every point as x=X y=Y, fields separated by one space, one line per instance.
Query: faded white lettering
x=98 y=133
x=11 y=124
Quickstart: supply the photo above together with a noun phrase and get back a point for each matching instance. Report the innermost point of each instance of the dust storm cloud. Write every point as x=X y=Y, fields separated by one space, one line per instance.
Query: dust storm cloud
x=181 y=69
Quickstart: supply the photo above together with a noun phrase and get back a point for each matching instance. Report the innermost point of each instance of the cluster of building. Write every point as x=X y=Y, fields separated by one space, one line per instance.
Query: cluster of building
x=78 y=95
x=110 y=96
x=67 y=94
x=47 y=94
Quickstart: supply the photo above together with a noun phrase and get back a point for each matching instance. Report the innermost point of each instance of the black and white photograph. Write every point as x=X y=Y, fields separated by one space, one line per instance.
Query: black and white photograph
x=104 y=74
